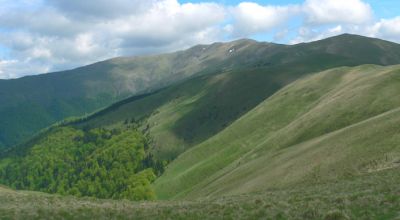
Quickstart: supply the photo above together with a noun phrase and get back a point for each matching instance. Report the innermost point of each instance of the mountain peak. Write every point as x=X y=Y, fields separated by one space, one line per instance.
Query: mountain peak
x=244 y=40
x=348 y=36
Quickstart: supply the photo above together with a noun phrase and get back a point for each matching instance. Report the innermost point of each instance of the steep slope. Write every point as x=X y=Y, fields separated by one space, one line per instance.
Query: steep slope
x=189 y=113
x=32 y=103
x=329 y=125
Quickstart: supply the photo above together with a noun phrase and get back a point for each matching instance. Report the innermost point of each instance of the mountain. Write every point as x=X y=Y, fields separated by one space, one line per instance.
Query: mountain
x=35 y=102
x=186 y=114
x=32 y=103
x=325 y=146
x=347 y=114
x=233 y=116
x=265 y=130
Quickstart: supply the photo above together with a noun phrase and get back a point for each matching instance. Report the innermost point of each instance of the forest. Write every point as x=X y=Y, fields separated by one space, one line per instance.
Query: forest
x=103 y=163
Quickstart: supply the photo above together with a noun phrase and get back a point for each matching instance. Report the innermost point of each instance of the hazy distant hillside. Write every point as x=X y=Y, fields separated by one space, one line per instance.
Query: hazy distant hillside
x=32 y=103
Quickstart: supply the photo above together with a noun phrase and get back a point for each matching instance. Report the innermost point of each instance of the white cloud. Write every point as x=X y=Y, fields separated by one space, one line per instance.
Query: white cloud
x=306 y=34
x=250 y=18
x=337 y=11
x=166 y=23
x=67 y=34
x=84 y=43
x=4 y=71
x=17 y=68
x=386 y=28
x=46 y=21
x=49 y=35
x=101 y=9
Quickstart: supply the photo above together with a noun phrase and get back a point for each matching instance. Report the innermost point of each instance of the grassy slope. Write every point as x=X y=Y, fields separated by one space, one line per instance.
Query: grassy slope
x=372 y=196
x=32 y=103
x=336 y=123
x=187 y=114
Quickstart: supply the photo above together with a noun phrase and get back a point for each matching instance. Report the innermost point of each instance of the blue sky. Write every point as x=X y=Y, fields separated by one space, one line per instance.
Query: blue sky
x=383 y=8
x=39 y=36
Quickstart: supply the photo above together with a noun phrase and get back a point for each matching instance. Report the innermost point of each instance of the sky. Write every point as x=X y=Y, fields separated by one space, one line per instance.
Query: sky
x=40 y=36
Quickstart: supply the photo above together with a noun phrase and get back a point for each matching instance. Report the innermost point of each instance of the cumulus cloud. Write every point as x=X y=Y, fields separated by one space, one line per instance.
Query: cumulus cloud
x=250 y=18
x=318 y=18
x=17 y=68
x=307 y=34
x=337 y=11
x=387 y=28
x=65 y=34
x=49 y=35
x=167 y=22
x=101 y=9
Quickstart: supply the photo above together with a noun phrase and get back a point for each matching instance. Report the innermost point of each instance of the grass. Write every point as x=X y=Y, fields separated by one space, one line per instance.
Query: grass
x=32 y=103
x=372 y=196
x=187 y=114
x=338 y=123
x=328 y=125
x=267 y=141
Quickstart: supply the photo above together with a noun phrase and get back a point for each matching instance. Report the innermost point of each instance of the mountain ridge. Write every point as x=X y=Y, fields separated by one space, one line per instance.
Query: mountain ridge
x=55 y=96
x=295 y=130
x=338 y=114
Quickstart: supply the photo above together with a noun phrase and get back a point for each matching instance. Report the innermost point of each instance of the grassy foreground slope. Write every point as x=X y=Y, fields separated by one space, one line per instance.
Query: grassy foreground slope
x=333 y=124
x=372 y=196
x=32 y=103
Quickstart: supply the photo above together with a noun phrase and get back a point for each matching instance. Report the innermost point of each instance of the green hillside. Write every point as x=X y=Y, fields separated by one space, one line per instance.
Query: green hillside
x=189 y=113
x=373 y=196
x=326 y=126
x=32 y=103
x=337 y=123
x=274 y=131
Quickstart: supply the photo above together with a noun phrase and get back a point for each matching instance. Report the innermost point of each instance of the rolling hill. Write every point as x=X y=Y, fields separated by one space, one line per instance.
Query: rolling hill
x=32 y=103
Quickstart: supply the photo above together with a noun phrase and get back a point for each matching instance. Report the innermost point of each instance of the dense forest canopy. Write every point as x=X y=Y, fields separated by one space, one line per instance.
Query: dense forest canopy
x=105 y=163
